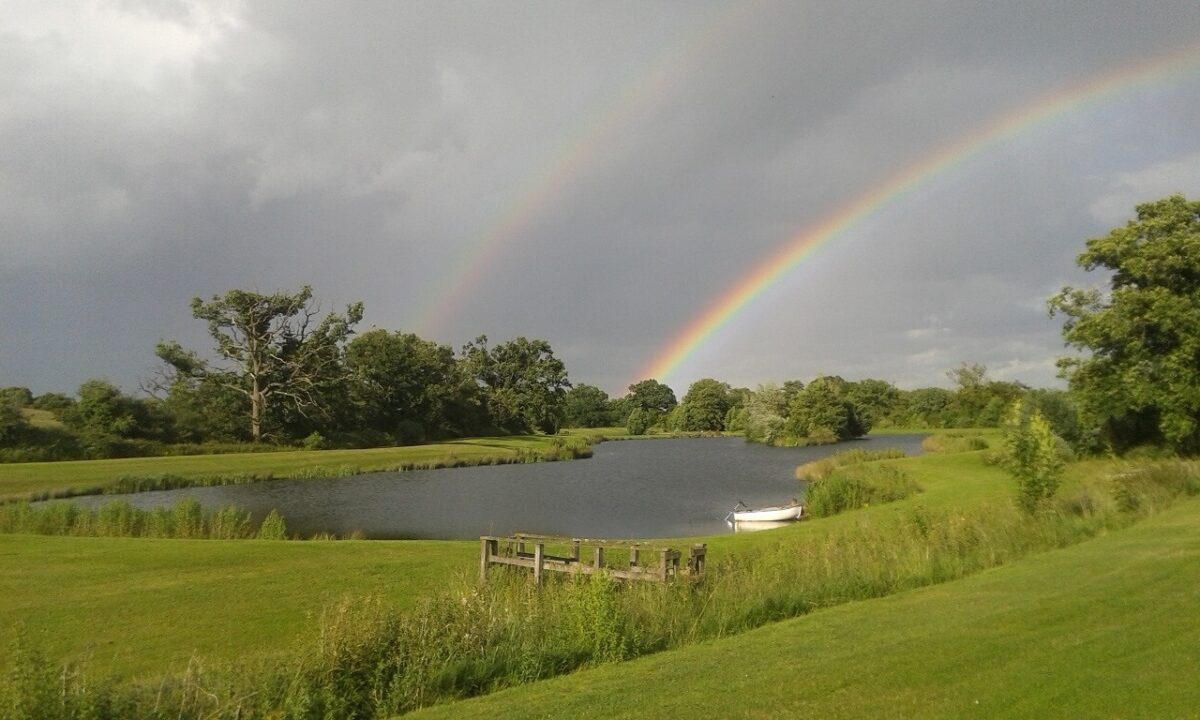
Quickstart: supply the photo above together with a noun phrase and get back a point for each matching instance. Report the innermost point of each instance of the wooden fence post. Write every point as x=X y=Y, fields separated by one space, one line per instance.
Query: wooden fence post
x=483 y=559
x=539 y=552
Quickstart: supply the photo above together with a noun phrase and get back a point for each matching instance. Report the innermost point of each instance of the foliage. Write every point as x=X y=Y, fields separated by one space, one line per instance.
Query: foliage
x=651 y=395
x=1139 y=380
x=766 y=414
x=640 y=421
x=275 y=352
x=705 y=406
x=823 y=412
x=400 y=381
x=1031 y=455
x=587 y=406
x=525 y=385
x=20 y=397
x=876 y=401
x=12 y=422
x=273 y=527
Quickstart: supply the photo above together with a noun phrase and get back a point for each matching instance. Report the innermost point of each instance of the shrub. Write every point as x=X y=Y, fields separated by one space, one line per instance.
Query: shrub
x=273 y=527
x=1031 y=454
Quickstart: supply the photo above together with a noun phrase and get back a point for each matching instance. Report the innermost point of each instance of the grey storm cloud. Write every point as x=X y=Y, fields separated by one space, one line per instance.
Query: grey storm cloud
x=645 y=156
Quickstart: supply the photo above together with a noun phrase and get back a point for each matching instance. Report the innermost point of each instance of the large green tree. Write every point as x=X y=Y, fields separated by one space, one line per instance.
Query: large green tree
x=822 y=412
x=404 y=386
x=652 y=395
x=587 y=406
x=1138 y=376
x=524 y=383
x=273 y=350
x=704 y=407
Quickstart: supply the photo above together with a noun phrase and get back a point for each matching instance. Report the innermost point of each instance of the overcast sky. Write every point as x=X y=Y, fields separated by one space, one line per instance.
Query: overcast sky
x=595 y=174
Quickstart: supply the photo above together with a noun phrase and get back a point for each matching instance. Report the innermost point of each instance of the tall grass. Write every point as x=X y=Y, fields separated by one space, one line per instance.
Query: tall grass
x=118 y=518
x=850 y=488
x=368 y=660
x=954 y=442
x=819 y=469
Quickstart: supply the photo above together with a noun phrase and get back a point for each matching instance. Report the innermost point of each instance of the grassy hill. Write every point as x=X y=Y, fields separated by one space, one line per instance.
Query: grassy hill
x=1106 y=628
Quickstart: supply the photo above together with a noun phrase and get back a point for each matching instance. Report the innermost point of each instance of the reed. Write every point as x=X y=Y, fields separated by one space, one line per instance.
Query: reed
x=117 y=518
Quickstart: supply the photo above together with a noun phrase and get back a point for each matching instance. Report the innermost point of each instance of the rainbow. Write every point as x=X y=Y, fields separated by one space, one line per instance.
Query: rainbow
x=575 y=153
x=736 y=298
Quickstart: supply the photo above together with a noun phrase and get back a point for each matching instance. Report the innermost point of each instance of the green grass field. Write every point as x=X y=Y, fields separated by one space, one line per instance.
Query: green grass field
x=1106 y=628
x=22 y=480
x=137 y=605
x=132 y=605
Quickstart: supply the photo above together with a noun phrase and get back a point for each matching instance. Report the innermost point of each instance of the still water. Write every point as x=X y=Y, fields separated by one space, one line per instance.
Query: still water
x=629 y=489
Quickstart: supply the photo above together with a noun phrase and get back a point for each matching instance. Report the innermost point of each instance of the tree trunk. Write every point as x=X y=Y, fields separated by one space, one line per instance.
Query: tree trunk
x=256 y=413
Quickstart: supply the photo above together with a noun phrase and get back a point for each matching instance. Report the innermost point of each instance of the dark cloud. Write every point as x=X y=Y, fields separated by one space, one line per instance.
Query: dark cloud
x=153 y=151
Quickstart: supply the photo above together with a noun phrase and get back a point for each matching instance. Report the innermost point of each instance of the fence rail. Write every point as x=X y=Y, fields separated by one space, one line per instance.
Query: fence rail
x=586 y=557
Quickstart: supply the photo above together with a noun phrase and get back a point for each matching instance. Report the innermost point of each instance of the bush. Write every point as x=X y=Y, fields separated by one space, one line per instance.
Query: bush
x=1031 y=454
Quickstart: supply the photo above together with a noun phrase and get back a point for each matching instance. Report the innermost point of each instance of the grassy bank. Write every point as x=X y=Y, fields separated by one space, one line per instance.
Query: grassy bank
x=1105 y=628
x=468 y=641
x=92 y=477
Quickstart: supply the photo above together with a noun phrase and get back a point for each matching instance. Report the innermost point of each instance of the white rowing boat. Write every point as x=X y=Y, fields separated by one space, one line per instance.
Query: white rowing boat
x=741 y=513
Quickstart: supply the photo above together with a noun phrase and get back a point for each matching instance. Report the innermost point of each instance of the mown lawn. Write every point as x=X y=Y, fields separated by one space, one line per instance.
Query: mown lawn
x=132 y=605
x=19 y=480
x=1106 y=628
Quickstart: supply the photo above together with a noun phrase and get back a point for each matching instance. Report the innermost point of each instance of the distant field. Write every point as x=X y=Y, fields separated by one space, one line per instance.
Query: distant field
x=18 y=480
x=1106 y=628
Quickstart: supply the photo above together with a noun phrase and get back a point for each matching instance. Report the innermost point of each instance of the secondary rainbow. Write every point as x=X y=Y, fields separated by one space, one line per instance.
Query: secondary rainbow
x=575 y=153
x=742 y=294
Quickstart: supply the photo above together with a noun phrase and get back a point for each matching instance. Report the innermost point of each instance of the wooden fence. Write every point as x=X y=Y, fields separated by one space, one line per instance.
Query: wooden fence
x=627 y=561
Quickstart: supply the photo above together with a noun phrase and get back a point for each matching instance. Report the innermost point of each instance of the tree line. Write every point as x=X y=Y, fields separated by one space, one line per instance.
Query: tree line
x=280 y=373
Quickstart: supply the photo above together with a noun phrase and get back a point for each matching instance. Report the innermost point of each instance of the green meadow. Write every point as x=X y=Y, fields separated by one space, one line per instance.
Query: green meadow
x=866 y=602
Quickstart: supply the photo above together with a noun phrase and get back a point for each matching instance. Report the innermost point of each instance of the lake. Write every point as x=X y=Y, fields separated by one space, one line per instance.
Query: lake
x=628 y=489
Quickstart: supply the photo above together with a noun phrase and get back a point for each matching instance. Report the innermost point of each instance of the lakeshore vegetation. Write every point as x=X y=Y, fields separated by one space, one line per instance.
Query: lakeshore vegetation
x=1028 y=544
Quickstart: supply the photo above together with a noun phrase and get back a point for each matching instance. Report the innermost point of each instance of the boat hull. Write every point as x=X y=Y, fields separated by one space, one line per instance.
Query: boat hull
x=771 y=514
